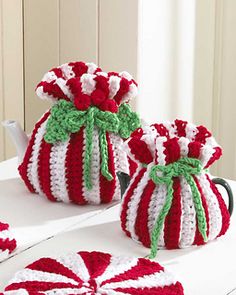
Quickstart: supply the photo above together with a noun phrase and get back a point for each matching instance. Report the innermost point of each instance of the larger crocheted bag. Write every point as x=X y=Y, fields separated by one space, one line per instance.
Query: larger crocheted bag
x=94 y=273
x=75 y=151
x=171 y=201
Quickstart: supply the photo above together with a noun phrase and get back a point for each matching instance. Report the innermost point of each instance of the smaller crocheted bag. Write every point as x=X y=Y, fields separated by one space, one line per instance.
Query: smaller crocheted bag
x=93 y=273
x=172 y=201
x=74 y=152
x=7 y=241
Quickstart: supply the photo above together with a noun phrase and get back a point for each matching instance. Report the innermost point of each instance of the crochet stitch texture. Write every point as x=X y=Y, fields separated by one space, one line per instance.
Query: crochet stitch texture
x=75 y=149
x=7 y=241
x=171 y=201
x=94 y=273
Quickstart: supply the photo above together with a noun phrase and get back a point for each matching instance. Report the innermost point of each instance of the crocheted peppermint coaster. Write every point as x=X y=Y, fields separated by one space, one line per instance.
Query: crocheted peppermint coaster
x=94 y=273
x=7 y=242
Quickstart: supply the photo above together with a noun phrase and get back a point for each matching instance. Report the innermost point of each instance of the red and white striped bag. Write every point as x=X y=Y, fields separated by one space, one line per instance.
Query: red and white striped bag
x=172 y=201
x=75 y=149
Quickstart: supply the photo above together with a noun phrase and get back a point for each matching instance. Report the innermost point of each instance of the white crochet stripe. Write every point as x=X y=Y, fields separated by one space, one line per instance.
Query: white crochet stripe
x=44 y=95
x=76 y=264
x=134 y=204
x=171 y=127
x=66 y=291
x=104 y=74
x=125 y=75
x=188 y=216
x=92 y=196
x=183 y=144
x=88 y=83
x=114 y=85
x=132 y=93
x=206 y=152
x=214 y=212
x=191 y=131
x=156 y=204
x=149 y=137
x=64 y=88
x=49 y=77
x=211 y=142
x=33 y=163
x=6 y=234
x=67 y=71
x=119 y=152
x=91 y=67
x=79 y=290
x=117 y=266
x=40 y=276
x=160 y=150
x=58 y=171
x=16 y=292
x=158 y=279
x=133 y=179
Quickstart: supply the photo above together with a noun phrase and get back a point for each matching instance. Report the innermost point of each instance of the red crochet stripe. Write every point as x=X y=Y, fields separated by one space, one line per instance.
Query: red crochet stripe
x=79 y=68
x=139 y=149
x=6 y=244
x=57 y=72
x=141 y=224
x=217 y=154
x=181 y=127
x=107 y=188
x=39 y=286
x=161 y=130
x=4 y=226
x=127 y=197
x=53 y=89
x=172 y=150
x=44 y=169
x=173 y=289
x=52 y=266
x=172 y=225
x=74 y=167
x=143 y=268
x=24 y=165
x=223 y=208
x=202 y=134
x=194 y=149
x=124 y=88
x=198 y=240
x=96 y=262
x=132 y=166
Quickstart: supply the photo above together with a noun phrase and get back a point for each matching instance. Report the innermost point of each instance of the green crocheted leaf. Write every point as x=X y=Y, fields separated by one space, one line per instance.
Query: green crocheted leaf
x=56 y=130
x=129 y=121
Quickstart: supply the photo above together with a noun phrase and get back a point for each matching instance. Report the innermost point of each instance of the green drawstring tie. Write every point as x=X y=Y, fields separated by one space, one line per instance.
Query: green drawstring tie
x=186 y=167
x=65 y=119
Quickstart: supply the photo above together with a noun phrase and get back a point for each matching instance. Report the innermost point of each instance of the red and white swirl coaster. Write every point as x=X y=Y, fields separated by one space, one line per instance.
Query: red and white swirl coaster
x=7 y=242
x=94 y=273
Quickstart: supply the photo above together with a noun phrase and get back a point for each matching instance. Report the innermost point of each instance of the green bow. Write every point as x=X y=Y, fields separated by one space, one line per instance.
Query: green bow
x=65 y=119
x=159 y=174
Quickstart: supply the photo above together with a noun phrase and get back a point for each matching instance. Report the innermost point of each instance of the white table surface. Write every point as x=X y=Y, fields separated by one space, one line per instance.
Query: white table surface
x=47 y=229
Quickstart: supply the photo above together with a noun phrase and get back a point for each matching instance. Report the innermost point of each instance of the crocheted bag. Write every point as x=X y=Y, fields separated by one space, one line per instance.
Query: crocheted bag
x=94 y=273
x=7 y=242
x=75 y=150
x=171 y=201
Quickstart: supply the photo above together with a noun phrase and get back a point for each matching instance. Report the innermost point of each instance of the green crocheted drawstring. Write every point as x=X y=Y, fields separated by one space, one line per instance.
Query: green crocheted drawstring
x=186 y=167
x=65 y=119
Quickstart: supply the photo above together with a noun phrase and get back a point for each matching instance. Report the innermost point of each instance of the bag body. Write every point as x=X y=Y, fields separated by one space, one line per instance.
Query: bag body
x=167 y=154
x=77 y=137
